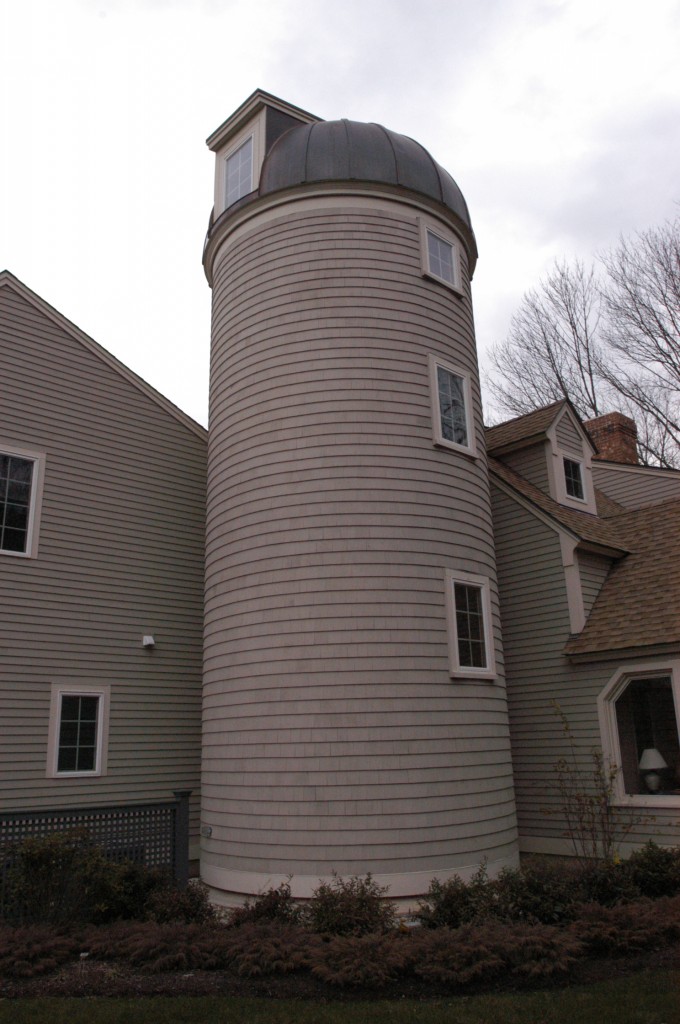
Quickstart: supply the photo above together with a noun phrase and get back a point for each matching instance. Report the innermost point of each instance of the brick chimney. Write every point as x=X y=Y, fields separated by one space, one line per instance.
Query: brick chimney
x=615 y=437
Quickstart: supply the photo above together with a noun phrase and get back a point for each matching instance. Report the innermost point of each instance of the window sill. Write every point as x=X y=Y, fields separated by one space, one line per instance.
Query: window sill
x=451 y=446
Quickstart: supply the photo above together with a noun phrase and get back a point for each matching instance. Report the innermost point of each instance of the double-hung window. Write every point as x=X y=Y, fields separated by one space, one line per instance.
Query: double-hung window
x=440 y=255
x=20 y=484
x=573 y=479
x=469 y=623
x=78 y=731
x=450 y=394
x=239 y=173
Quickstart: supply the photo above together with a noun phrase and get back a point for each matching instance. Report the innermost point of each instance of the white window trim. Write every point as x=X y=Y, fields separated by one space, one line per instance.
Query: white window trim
x=254 y=129
x=38 y=459
x=456 y=670
x=579 y=463
x=610 y=734
x=446 y=236
x=438 y=438
x=60 y=690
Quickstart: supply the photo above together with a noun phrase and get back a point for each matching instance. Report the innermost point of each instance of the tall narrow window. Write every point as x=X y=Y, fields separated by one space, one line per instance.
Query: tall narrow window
x=78 y=728
x=440 y=258
x=16 y=478
x=452 y=420
x=239 y=172
x=573 y=479
x=450 y=406
x=471 y=644
x=78 y=738
x=469 y=626
x=21 y=479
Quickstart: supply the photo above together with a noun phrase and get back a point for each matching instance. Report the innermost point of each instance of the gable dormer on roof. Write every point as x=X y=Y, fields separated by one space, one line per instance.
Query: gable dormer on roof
x=551 y=448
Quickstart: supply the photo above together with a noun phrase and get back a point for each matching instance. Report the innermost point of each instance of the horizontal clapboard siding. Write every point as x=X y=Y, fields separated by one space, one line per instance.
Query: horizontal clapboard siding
x=636 y=486
x=334 y=737
x=569 y=439
x=540 y=680
x=120 y=555
x=532 y=464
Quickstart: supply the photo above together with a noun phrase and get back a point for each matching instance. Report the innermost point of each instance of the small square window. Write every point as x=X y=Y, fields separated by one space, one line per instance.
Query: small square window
x=573 y=479
x=239 y=173
x=440 y=256
x=470 y=638
x=78 y=731
x=450 y=406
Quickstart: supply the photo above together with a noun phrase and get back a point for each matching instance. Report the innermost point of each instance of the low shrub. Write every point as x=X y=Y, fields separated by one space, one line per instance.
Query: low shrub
x=481 y=952
x=539 y=892
x=364 y=961
x=627 y=927
x=152 y=948
x=350 y=906
x=655 y=870
x=31 y=950
x=454 y=902
x=274 y=904
x=168 y=903
x=607 y=883
x=263 y=948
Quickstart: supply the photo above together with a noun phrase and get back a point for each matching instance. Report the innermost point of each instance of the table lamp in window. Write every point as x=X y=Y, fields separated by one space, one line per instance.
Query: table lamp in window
x=651 y=763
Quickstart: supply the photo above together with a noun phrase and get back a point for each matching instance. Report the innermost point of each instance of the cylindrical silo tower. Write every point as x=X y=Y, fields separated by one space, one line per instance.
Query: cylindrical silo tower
x=354 y=704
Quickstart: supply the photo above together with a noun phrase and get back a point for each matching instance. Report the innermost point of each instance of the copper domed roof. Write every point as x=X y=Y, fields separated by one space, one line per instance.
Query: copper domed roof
x=354 y=151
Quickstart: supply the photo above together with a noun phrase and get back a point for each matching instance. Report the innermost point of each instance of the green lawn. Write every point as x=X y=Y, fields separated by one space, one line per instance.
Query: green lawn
x=641 y=999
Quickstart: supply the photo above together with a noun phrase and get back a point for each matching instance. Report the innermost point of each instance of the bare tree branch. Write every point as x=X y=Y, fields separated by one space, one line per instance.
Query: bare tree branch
x=609 y=344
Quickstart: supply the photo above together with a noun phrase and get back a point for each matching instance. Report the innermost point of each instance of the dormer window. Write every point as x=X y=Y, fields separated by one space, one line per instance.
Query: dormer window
x=239 y=172
x=573 y=479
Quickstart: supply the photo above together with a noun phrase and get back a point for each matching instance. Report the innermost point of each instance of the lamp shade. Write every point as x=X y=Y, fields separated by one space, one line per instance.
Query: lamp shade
x=651 y=760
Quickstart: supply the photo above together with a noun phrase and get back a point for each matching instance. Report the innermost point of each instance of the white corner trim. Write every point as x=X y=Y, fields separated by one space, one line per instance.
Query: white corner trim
x=572 y=579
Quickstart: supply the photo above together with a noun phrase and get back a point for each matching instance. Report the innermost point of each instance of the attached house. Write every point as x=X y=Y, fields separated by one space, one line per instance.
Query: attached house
x=102 y=510
x=359 y=620
x=588 y=555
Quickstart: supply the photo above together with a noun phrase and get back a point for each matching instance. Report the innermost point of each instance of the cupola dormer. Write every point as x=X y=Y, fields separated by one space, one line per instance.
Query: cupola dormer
x=241 y=143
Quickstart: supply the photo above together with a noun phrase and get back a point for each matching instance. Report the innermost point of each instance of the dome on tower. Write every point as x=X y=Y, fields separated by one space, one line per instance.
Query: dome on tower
x=353 y=151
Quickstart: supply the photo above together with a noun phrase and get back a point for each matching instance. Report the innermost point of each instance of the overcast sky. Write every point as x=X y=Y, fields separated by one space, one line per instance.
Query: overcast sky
x=557 y=118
